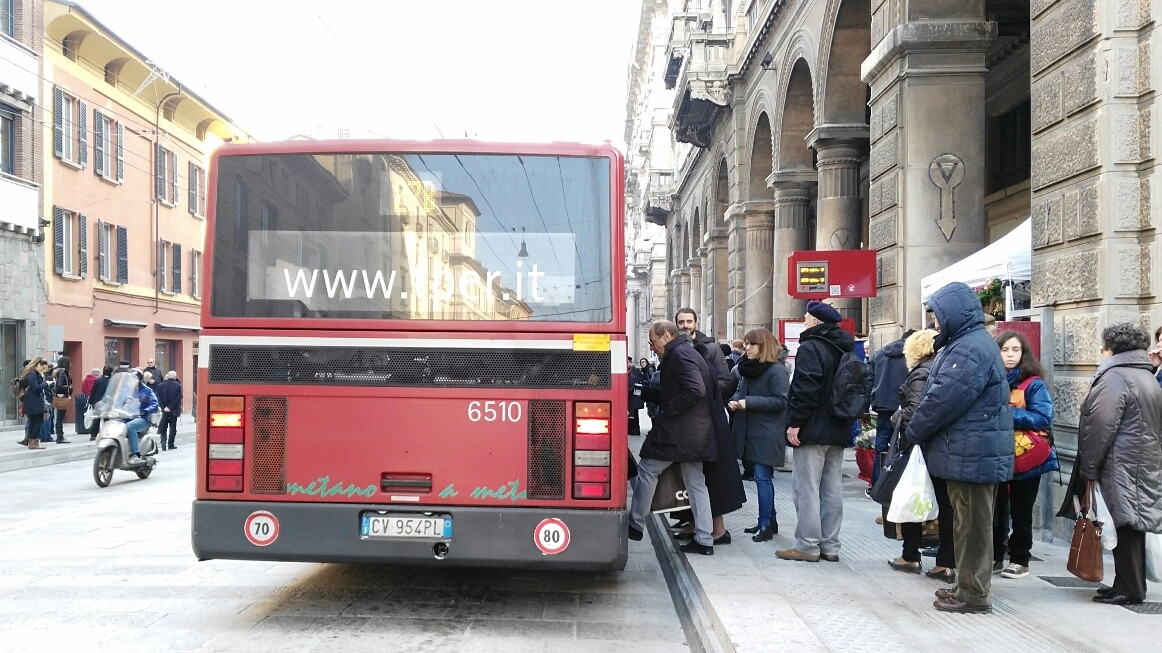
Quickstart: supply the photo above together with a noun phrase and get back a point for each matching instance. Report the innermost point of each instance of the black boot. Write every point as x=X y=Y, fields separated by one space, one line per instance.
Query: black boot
x=61 y=440
x=694 y=547
x=763 y=535
x=752 y=530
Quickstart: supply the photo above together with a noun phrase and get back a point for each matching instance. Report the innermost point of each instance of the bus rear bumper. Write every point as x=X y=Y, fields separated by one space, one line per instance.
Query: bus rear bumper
x=481 y=537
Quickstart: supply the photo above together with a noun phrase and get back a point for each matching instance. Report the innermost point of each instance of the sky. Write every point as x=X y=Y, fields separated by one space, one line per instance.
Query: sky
x=494 y=70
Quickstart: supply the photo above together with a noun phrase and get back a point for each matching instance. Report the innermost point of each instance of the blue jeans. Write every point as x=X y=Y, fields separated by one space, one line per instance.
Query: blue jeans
x=884 y=431
x=762 y=479
x=136 y=426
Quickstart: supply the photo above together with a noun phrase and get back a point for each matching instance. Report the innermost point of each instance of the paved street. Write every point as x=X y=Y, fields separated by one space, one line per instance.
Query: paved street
x=87 y=569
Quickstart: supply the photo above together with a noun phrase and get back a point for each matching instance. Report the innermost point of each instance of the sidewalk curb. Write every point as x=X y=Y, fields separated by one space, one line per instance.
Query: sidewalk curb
x=79 y=450
x=704 y=631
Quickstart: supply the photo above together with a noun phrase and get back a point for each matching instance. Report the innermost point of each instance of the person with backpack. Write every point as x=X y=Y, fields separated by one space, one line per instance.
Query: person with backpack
x=827 y=393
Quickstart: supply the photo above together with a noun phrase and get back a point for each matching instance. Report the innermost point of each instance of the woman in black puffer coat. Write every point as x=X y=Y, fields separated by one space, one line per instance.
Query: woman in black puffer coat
x=759 y=406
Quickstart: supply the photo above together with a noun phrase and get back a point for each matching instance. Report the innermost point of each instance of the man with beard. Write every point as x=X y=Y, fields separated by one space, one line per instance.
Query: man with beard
x=687 y=321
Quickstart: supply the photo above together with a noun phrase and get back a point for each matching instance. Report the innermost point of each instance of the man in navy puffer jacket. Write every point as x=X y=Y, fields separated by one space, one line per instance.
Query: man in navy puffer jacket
x=965 y=427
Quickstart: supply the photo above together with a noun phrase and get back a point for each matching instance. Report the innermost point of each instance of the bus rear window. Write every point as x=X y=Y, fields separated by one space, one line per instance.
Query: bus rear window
x=413 y=237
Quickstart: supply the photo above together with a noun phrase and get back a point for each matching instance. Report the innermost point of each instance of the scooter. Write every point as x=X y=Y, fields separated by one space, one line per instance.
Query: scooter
x=113 y=438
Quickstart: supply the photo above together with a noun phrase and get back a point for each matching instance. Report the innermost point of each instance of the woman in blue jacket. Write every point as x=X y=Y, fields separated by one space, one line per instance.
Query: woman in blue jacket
x=1032 y=411
x=35 y=406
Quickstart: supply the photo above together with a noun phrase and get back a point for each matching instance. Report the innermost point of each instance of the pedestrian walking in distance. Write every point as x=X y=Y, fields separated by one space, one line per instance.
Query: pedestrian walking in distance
x=682 y=434
x=818 y=435
x=87 y=384
x=33 y=390
x=62 y=393
x=1120 y=447
x=1032 y=413
x=759 y=407
x=169 y=397
x=965 y=428
x=97 y=394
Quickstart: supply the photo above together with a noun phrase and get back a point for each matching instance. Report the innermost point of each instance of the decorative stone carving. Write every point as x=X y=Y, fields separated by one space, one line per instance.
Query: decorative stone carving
x=1069 y=203
x=879 y=24
x=715 y=92
x=1069 y=278
x=1038 y=6
x=1132 y=14
x=1065 y=155
x=1058 y=342
x=843 y=238
x=882 y=232
x=1126 y=67
x=946 y=172
x=1068 y=395
x=887 y=267
x=883 y=156
x=874 y=198
x=882 y=307
x=1132 y=136
x=877 y=124
x=888 y=186
x=1074 y=23
x=1081 y=340
x=1046 y=103
x=889 y=112
x=1143 y=67
x=1088 y=220
x=1133 y=270
x=1080 y=86
x=1133 y=201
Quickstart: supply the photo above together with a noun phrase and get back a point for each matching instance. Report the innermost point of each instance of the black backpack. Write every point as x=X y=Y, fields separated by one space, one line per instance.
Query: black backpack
x=848 y=386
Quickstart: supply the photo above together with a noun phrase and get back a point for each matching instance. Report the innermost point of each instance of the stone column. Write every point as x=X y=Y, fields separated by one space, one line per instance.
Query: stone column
x=792 y=197
x=694 y=266
x=715 y=274
x=839 y=216
x=633 y=325
x=674 y=300
x=927 y=160
x=760 y=222
x=736 y=270
x=683 y=288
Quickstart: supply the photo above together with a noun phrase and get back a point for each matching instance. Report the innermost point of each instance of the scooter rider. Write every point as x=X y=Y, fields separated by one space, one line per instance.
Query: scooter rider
x=148 y=404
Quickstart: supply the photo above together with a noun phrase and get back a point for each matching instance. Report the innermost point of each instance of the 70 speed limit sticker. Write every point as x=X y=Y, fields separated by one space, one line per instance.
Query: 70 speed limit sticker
x=551 y=536
x=261 y=528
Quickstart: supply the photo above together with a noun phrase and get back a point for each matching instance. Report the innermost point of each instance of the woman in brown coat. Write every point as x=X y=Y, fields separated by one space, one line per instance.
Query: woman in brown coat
x=1120 y=447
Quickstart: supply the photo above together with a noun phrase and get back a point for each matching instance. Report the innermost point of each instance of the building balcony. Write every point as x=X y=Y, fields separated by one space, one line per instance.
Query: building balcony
x=18 y=71
x=21 y=202
x=659 y=197
x=702 y=86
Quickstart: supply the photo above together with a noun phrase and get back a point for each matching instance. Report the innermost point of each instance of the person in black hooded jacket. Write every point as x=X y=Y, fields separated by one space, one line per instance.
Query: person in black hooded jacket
x=818 y=436
x=886 y=372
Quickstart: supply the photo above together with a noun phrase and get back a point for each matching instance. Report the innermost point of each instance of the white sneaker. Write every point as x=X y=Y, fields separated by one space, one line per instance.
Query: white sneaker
x=1015 y=570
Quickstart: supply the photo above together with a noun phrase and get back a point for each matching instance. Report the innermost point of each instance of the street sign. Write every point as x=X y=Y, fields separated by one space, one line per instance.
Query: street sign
x=551 y=536
x=261 y=528
x=839 y=273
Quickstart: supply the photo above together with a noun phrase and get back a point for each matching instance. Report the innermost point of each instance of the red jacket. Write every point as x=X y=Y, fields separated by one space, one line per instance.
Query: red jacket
x=87 y=384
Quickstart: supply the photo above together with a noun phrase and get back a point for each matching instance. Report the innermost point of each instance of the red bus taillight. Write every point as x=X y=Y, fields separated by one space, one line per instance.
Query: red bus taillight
x=224 y=448
x=591 y=450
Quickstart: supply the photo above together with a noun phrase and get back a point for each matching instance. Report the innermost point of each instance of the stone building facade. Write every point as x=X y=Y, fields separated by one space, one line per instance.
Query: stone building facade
x=22 y=281
x=921 y=129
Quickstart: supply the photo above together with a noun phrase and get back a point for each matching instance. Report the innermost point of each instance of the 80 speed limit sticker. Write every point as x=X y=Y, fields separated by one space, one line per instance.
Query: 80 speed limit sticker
x=261 y=528
x=551 y=536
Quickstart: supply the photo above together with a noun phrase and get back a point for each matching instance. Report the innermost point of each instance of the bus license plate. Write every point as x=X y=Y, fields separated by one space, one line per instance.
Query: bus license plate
x=406 y=526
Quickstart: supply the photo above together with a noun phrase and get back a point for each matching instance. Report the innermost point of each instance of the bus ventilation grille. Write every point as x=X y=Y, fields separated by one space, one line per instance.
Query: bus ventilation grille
x=546 y=450
x=268 y=445
x=410 y=367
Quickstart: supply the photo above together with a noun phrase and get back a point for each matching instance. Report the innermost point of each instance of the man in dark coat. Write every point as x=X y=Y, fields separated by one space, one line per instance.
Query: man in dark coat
x=687 y=321
x=154 y=373
x=886 y=372
x=682 y=433
x=965 y=428
x=169 y=397
x=98 y=393
x=818 y=436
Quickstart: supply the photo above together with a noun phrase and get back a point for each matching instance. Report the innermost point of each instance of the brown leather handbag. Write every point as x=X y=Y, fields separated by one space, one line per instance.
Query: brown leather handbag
x=1085 y=556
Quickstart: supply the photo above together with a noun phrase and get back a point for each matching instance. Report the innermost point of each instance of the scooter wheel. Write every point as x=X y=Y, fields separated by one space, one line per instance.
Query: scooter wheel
x=143 y=473
x=103 y=467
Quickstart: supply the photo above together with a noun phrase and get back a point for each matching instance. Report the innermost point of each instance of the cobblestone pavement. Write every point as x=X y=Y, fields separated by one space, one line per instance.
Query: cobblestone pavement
x=861 y=604
x=87 y=569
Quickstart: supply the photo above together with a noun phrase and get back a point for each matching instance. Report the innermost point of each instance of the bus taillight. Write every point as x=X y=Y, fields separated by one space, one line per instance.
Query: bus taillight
x=224 y=446
x=591 y=449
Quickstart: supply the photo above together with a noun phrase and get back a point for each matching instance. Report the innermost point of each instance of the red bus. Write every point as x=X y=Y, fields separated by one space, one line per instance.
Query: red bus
x=413 y=352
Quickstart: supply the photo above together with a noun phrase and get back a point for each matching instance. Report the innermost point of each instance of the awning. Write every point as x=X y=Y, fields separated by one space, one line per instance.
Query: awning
x=125 y=324
x=1010 y=258
x=161 y=326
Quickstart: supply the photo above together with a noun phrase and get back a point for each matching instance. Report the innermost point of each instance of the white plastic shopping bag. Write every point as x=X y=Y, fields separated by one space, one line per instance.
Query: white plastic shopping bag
x=1154 y=557
x=914 y=500
x=1109 y=534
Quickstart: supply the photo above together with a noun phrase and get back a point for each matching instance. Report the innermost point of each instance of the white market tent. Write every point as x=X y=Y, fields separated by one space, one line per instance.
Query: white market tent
x=1010 y=258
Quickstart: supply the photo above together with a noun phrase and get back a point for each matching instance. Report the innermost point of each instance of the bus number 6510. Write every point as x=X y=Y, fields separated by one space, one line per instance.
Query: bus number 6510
x=494 y=411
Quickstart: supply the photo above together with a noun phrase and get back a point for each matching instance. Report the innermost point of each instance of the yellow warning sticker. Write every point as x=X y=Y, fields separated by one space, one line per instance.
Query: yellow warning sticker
x=590 y=342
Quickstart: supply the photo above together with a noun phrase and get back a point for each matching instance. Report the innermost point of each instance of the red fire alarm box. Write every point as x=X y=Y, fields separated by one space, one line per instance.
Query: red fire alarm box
x=849 y=273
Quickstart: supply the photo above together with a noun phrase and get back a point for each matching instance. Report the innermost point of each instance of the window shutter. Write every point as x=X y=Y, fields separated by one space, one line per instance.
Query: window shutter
x=99 y=144
x=120 y=152
x=82 y=133
x=83 y=249
x=192 y=195
x=195 y=273
x=122 y=255
x=159 y=157
x=58 y=234
x=58 y=126
x=201 y=192
x=177 y=268
x=173 y=192
x=102 y=251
